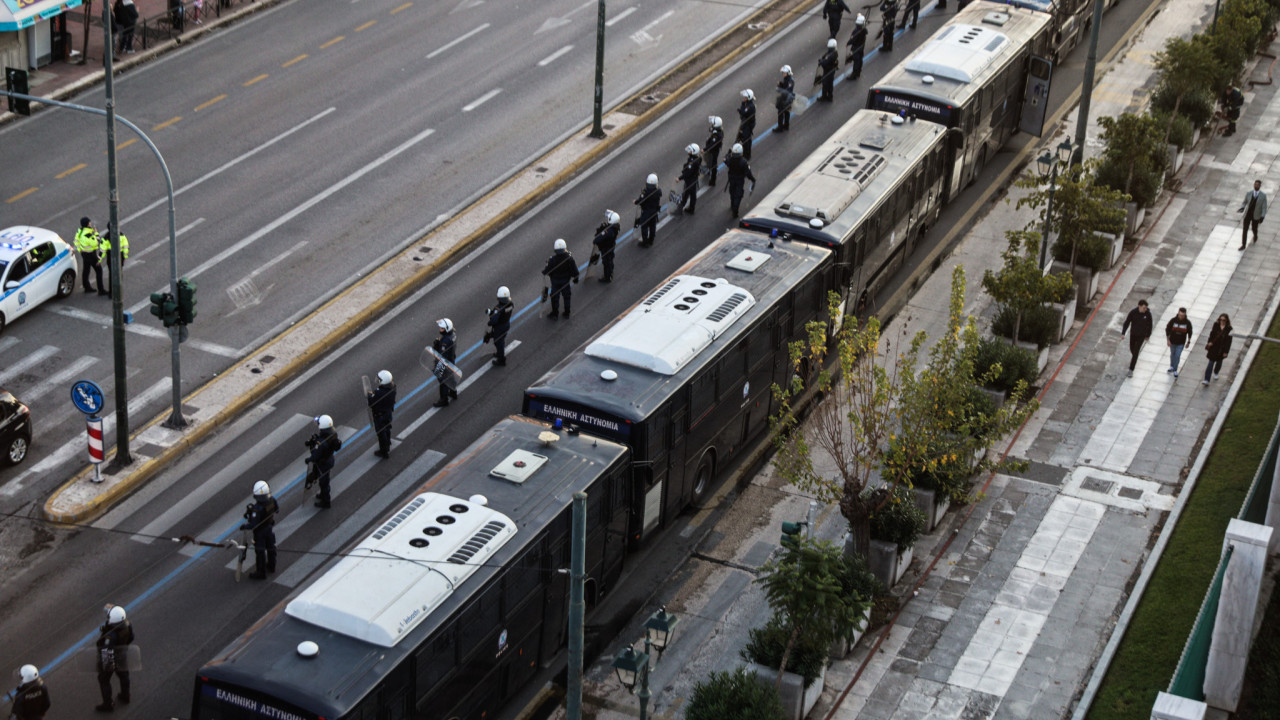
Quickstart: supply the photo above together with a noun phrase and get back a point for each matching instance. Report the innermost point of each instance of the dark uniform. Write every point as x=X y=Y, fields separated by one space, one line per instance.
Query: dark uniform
x=650 y=202
x=689 y=176
x=447 y=345
x=324 y=445
x=1232 y=101
x=857 y=49
x=500 y=323
x=87 y=244
x=31 y=700
x=739 y=172
x=831 y=11
x=746 y=125
x=562 y=269
x=711 y=152
x=113 y=658
x=827 y=66
x=260 y=518
x=605 y=241
x=911 y=10
x=786 y=96
x=382 y=403
x=889 y=8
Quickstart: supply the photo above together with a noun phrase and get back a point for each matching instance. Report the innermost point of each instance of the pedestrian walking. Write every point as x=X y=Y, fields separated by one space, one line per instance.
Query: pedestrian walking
x=446 y=346
x=114 y=638
x=382 y=403
x=31 y=698
x=786 y=97
x=1232 y=101
x=260 y=519
x=1140 y=322
x=747 y=122
x=857 y=46
x=689 y=173
x=827 y=66
x=563 y=270
x=88 y=244
x=912 y=9
x=711 y=148
x=650 y=202
x=1217 y=348
x=739 y=171
x=605 y=241
x=177 y=16
x=1254 y=208
x=1178 y=333
x=104 y=252
x=196 y=7
x=323 y=444
x=889 y=20
x=832 y=12
x=500 y=323
x=125 y=14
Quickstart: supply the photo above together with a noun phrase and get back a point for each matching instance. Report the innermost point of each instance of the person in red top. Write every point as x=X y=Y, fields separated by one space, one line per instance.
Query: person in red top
x=1178 y=335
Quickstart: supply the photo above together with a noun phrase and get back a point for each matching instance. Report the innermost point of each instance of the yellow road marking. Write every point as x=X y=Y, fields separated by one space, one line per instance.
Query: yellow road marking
x=67 y=172
x=263 y=76
x=204 y=105
x=125 y=144
x=402 y=7
x=22 y=194
x=298 y=59
x=367 y=25
x=333 y=42
x=162 y=125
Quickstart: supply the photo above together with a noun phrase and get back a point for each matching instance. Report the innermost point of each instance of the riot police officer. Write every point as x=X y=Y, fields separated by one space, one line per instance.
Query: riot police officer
x=382 y=403
x=739 y=172
x=605 y=241
x=650 y=202
x=114 y=639
x=562 y=269
x=260 y=519
x=324 y=444
x=827 y=66
x=889 y=17
x=857 y=46
x=87 y=243
x=500 y=324
x=786 y=96
x=832 y=10
x=689 y=176
x=31 y=699
x=747 y=122
x=446 y=344
x=911 y=10
x=711 y=149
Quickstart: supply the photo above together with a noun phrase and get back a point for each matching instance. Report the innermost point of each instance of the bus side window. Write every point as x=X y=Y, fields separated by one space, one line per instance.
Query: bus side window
x=436 y=660
x=479 y=619
x=523 y=579
x=702 y=395
x=760 y=342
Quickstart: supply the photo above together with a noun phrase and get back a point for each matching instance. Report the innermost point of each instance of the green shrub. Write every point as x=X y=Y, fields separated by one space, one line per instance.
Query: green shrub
x=737 y=694
x=1197 y=107
x=1180 y=133
x=1039 y=325
x=859 y=581
x=1064 y=294
x=1015 y=364
x=1146 y=185
x=765 y=646
x=1091 y=251
x=896 y=518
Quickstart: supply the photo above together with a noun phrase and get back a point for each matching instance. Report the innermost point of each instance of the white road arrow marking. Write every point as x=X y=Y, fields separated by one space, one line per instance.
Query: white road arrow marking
x=555 y=22
x=466 y=5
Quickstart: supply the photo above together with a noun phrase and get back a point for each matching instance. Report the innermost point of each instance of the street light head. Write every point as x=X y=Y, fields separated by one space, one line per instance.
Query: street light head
x=1045 y=164
x=628 y=664
x=660 y=628
x=1065 y=148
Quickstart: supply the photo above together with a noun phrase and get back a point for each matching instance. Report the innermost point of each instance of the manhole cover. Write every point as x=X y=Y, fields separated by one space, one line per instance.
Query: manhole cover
x=1131 y=493
x=1096 y=485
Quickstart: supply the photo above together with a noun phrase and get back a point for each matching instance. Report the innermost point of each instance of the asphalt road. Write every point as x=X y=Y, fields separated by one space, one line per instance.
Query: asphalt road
x=307 y=145
x=185 y=604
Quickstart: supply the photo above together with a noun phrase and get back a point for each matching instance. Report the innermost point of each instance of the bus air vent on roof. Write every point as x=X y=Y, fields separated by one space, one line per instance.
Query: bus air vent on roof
x=845 y=173
x=483 y=537
x=660 y=292
x=959 y=54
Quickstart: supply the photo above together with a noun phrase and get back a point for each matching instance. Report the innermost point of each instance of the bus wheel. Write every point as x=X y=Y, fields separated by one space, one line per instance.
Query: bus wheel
x=702 y=478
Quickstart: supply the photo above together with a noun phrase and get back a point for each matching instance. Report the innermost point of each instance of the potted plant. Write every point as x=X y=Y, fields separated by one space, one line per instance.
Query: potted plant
x=1036 y=333
x=1002 y=366
x=1187 y=68
x=736 y=694
x=1133 y=162
x=1180 y=134
x=800 y=685
x=857 y=581
x=896 y=524
x=1063 y=303
x=1020 y=286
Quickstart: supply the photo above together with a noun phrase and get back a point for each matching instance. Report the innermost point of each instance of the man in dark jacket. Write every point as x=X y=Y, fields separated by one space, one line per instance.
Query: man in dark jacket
x=500 y=325
x=1232 y=101
x=857 y=47
x=739 y=172
x=31 y=699
x=324 y=444
x=1178 y=334
x=114 y=639
x=1254 y=207
x=832 y=10
x=711 y=148
x=1139 y=320
x=650 y=202
x=446 y=345
x=827 y=66
x=562 y=269
x=260 y=519
x=786 y=96
x=689 y=176
x=605 y=241
x=747 y=122
x=382 y=403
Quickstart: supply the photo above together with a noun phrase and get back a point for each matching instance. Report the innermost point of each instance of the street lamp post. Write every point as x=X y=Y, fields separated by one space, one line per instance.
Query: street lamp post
x=1048 y=165
x=633 y=667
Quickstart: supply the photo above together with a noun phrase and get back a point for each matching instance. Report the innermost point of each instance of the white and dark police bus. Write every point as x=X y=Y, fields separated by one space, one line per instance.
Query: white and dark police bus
x=986 y=73
x=448 y=608
x=1071 y=22
x=868 y=193
x=684 y=376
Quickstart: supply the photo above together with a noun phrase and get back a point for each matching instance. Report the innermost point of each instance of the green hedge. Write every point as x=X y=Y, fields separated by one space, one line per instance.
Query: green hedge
x=738 y=694
x=1039 y=325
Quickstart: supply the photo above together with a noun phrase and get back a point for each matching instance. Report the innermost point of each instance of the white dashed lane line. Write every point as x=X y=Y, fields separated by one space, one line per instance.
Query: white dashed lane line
x=619 y=16
x=482 y=100
x=450 y=44
x=554 y=56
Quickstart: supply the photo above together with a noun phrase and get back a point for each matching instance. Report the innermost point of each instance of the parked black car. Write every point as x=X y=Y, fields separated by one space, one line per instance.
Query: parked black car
x=15 y=429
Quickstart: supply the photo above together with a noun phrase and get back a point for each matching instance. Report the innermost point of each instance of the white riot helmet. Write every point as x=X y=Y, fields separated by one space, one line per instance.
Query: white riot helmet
x=786 y=70
x=692 y=149
x=561 y=244
x=29 y=674
x=324 y=422
x=504 y=293
x=748 y=95
x=116 y=614
x=715 y=121
x=736 y=149
x=651 y=180
x=860 y=20
x=261 y=488
x=611 y=217
x=445 y=324
x=384 y=377
x=831 y=44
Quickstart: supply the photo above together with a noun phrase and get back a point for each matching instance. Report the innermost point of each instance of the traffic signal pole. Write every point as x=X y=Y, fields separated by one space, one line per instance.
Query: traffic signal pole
x=113 y=255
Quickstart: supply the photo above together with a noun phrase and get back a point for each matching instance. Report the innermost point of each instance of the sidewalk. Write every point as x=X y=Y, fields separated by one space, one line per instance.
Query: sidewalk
x=1027 y=584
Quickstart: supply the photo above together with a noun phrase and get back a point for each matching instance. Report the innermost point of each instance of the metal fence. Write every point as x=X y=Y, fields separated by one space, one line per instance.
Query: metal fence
x=179 y=18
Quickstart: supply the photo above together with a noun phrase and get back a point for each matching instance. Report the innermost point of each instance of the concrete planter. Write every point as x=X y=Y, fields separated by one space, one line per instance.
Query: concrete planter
x=841 y=648
x=1117 y=247
x=1176 y=155
x=1195 y=137
x=797 y=701
x=887 y=563
x=1042 y=354
x=934 y=505
x=1066 y=313
x=1086 y=281
x=1133 y=218
x=999 y=397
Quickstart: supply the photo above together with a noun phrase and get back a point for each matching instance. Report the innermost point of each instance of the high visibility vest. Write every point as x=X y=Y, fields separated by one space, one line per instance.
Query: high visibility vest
x=105 y=246
x=87 y=240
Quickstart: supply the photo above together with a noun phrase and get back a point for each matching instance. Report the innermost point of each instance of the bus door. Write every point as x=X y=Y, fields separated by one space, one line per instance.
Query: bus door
x=677 y=493
x=1035 y=98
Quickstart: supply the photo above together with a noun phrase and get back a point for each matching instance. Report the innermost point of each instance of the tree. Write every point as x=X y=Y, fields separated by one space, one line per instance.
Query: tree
x=1021 y=284
x=1185 y=66
x=1135 y=150
x=1081 y=206
x=737 y=694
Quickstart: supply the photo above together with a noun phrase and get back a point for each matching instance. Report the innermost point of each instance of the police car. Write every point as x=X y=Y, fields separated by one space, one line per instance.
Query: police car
x=35 y=265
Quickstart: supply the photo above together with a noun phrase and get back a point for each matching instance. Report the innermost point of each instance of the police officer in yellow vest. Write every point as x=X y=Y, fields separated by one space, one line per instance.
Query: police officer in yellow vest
x=104 y=248
x=87 y=242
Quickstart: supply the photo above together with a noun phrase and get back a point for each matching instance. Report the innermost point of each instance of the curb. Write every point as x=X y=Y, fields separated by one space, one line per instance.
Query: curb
x=148 y=469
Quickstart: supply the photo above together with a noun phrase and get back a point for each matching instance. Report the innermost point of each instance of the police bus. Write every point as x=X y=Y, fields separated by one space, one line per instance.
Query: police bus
x=1071 y=22
x=450 y=606
x=868 y=193
x=684 y=376
x=985 y=72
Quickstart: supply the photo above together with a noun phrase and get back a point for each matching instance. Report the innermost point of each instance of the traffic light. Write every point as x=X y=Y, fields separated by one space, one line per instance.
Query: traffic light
x=164 y=307
x=791 y=534
x=15 y=80
x=186 y=301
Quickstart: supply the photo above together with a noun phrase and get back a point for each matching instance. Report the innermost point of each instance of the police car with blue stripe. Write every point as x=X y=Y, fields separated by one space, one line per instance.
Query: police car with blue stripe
x=35 y=265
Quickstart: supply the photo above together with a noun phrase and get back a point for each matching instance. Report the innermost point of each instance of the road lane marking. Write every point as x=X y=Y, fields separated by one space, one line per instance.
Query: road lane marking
x=14 y=370
x=260 y=78
x=659 y=19
x=367 y=25
x=482 y=100
x=164 y=243
x=450 y=44
x=146 y=330
x=298 y=59
x=61 y=379
x=22 y=194
x=8 y=342
x=553 y=56
x=461 y=386
x=405 y=6
x=161 y=126
x=209 y=103
x=619 y=16
x=333 y=42
x=69 y=171
x=128 y=142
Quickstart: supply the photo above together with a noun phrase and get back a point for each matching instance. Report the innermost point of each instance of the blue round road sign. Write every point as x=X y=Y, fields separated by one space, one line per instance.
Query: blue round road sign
x=87 y=397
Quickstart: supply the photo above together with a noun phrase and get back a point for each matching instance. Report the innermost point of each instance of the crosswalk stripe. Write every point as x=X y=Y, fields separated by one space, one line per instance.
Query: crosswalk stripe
x=35 y=358
x=8 y=342
x=61 y=379
x=461 y=386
